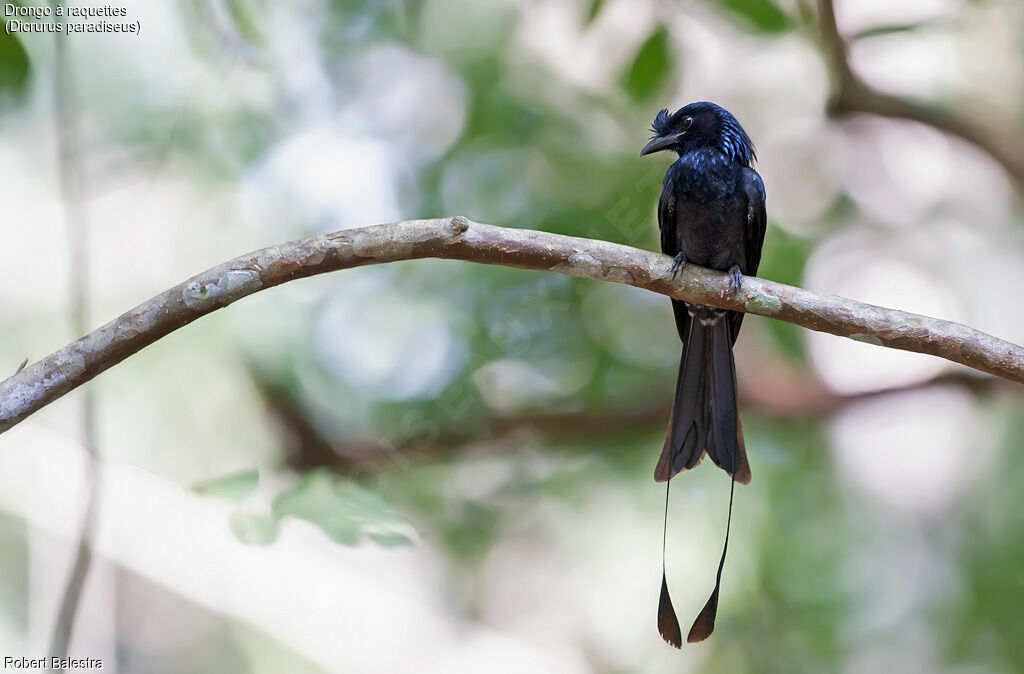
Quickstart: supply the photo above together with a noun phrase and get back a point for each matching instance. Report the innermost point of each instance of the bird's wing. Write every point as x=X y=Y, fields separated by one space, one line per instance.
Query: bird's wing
x=757 y=219
x=753 y=235
x=670 y=246
x=667 y=218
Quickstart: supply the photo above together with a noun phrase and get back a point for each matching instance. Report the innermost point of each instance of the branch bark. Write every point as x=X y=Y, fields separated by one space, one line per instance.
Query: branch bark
x=850 y=94
x=460 y=239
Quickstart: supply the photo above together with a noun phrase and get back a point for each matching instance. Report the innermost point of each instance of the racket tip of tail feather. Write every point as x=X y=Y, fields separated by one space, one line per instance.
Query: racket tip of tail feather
x=668 y=623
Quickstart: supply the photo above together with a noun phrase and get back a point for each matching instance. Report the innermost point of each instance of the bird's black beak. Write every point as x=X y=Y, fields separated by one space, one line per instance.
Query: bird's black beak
x=660 y=143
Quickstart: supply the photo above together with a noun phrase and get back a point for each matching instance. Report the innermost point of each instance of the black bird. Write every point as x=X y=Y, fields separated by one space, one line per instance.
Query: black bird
x=711 y=213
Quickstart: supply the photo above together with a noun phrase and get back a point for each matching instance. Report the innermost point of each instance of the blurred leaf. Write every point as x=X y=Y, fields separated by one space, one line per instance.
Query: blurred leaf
x=13 y=63
x=784 y=256
x=472 y=533
x=341 y=508
x=242 y=14
x=764 y=15
x=390 y=539
x=254 y=528
x=893 y=29
x=593 y=11
x=650 y=67
x=236 y=487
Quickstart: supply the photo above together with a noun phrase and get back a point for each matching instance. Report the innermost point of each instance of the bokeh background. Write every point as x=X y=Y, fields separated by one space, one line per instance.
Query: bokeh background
x=440 y=467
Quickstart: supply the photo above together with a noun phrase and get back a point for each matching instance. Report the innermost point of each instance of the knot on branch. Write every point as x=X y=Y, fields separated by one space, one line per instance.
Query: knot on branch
x=232 y=285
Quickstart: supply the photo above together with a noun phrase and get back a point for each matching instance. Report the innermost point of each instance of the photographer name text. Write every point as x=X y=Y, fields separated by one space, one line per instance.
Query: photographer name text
x=55 y=664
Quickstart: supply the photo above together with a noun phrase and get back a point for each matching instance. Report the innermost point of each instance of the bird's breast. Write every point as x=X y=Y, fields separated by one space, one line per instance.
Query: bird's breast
x=710 y=209
x=703 y=176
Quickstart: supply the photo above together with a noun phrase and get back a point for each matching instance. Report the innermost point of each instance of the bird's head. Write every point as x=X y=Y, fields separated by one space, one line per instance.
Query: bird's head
x=700 y=125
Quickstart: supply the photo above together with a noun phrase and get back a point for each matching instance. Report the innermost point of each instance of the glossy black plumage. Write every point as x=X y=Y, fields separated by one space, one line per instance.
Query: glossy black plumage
x=711 y=213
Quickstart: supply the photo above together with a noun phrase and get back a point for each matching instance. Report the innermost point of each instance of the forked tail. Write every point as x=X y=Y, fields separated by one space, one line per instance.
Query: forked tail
x=705 y=420
x=705 y=414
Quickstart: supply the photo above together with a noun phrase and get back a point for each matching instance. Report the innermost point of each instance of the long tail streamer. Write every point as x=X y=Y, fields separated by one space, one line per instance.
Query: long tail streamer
x=704 y=625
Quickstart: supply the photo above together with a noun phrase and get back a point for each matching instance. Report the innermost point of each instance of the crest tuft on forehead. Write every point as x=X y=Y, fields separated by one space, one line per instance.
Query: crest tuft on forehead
x=661 y=123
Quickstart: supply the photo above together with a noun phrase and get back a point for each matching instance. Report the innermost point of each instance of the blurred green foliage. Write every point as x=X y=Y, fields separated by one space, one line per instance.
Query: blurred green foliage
x=763 y=15
x=343 y=510
x=984 y=622
x=652 y=66
x=14 y=64
x=235 y=487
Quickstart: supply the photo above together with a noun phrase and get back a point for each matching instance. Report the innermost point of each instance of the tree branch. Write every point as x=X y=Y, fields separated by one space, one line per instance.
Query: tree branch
x=850 y=94
x=459 y=239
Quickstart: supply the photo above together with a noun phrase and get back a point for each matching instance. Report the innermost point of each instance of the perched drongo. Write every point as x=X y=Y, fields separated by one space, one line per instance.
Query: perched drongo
x=711 y=213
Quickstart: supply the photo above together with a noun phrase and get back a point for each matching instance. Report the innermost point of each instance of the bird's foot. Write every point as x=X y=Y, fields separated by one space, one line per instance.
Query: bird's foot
x=678 y=262
x=735 y=279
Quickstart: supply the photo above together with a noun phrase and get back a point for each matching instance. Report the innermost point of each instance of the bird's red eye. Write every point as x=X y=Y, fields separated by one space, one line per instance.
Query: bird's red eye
x=687 y=121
